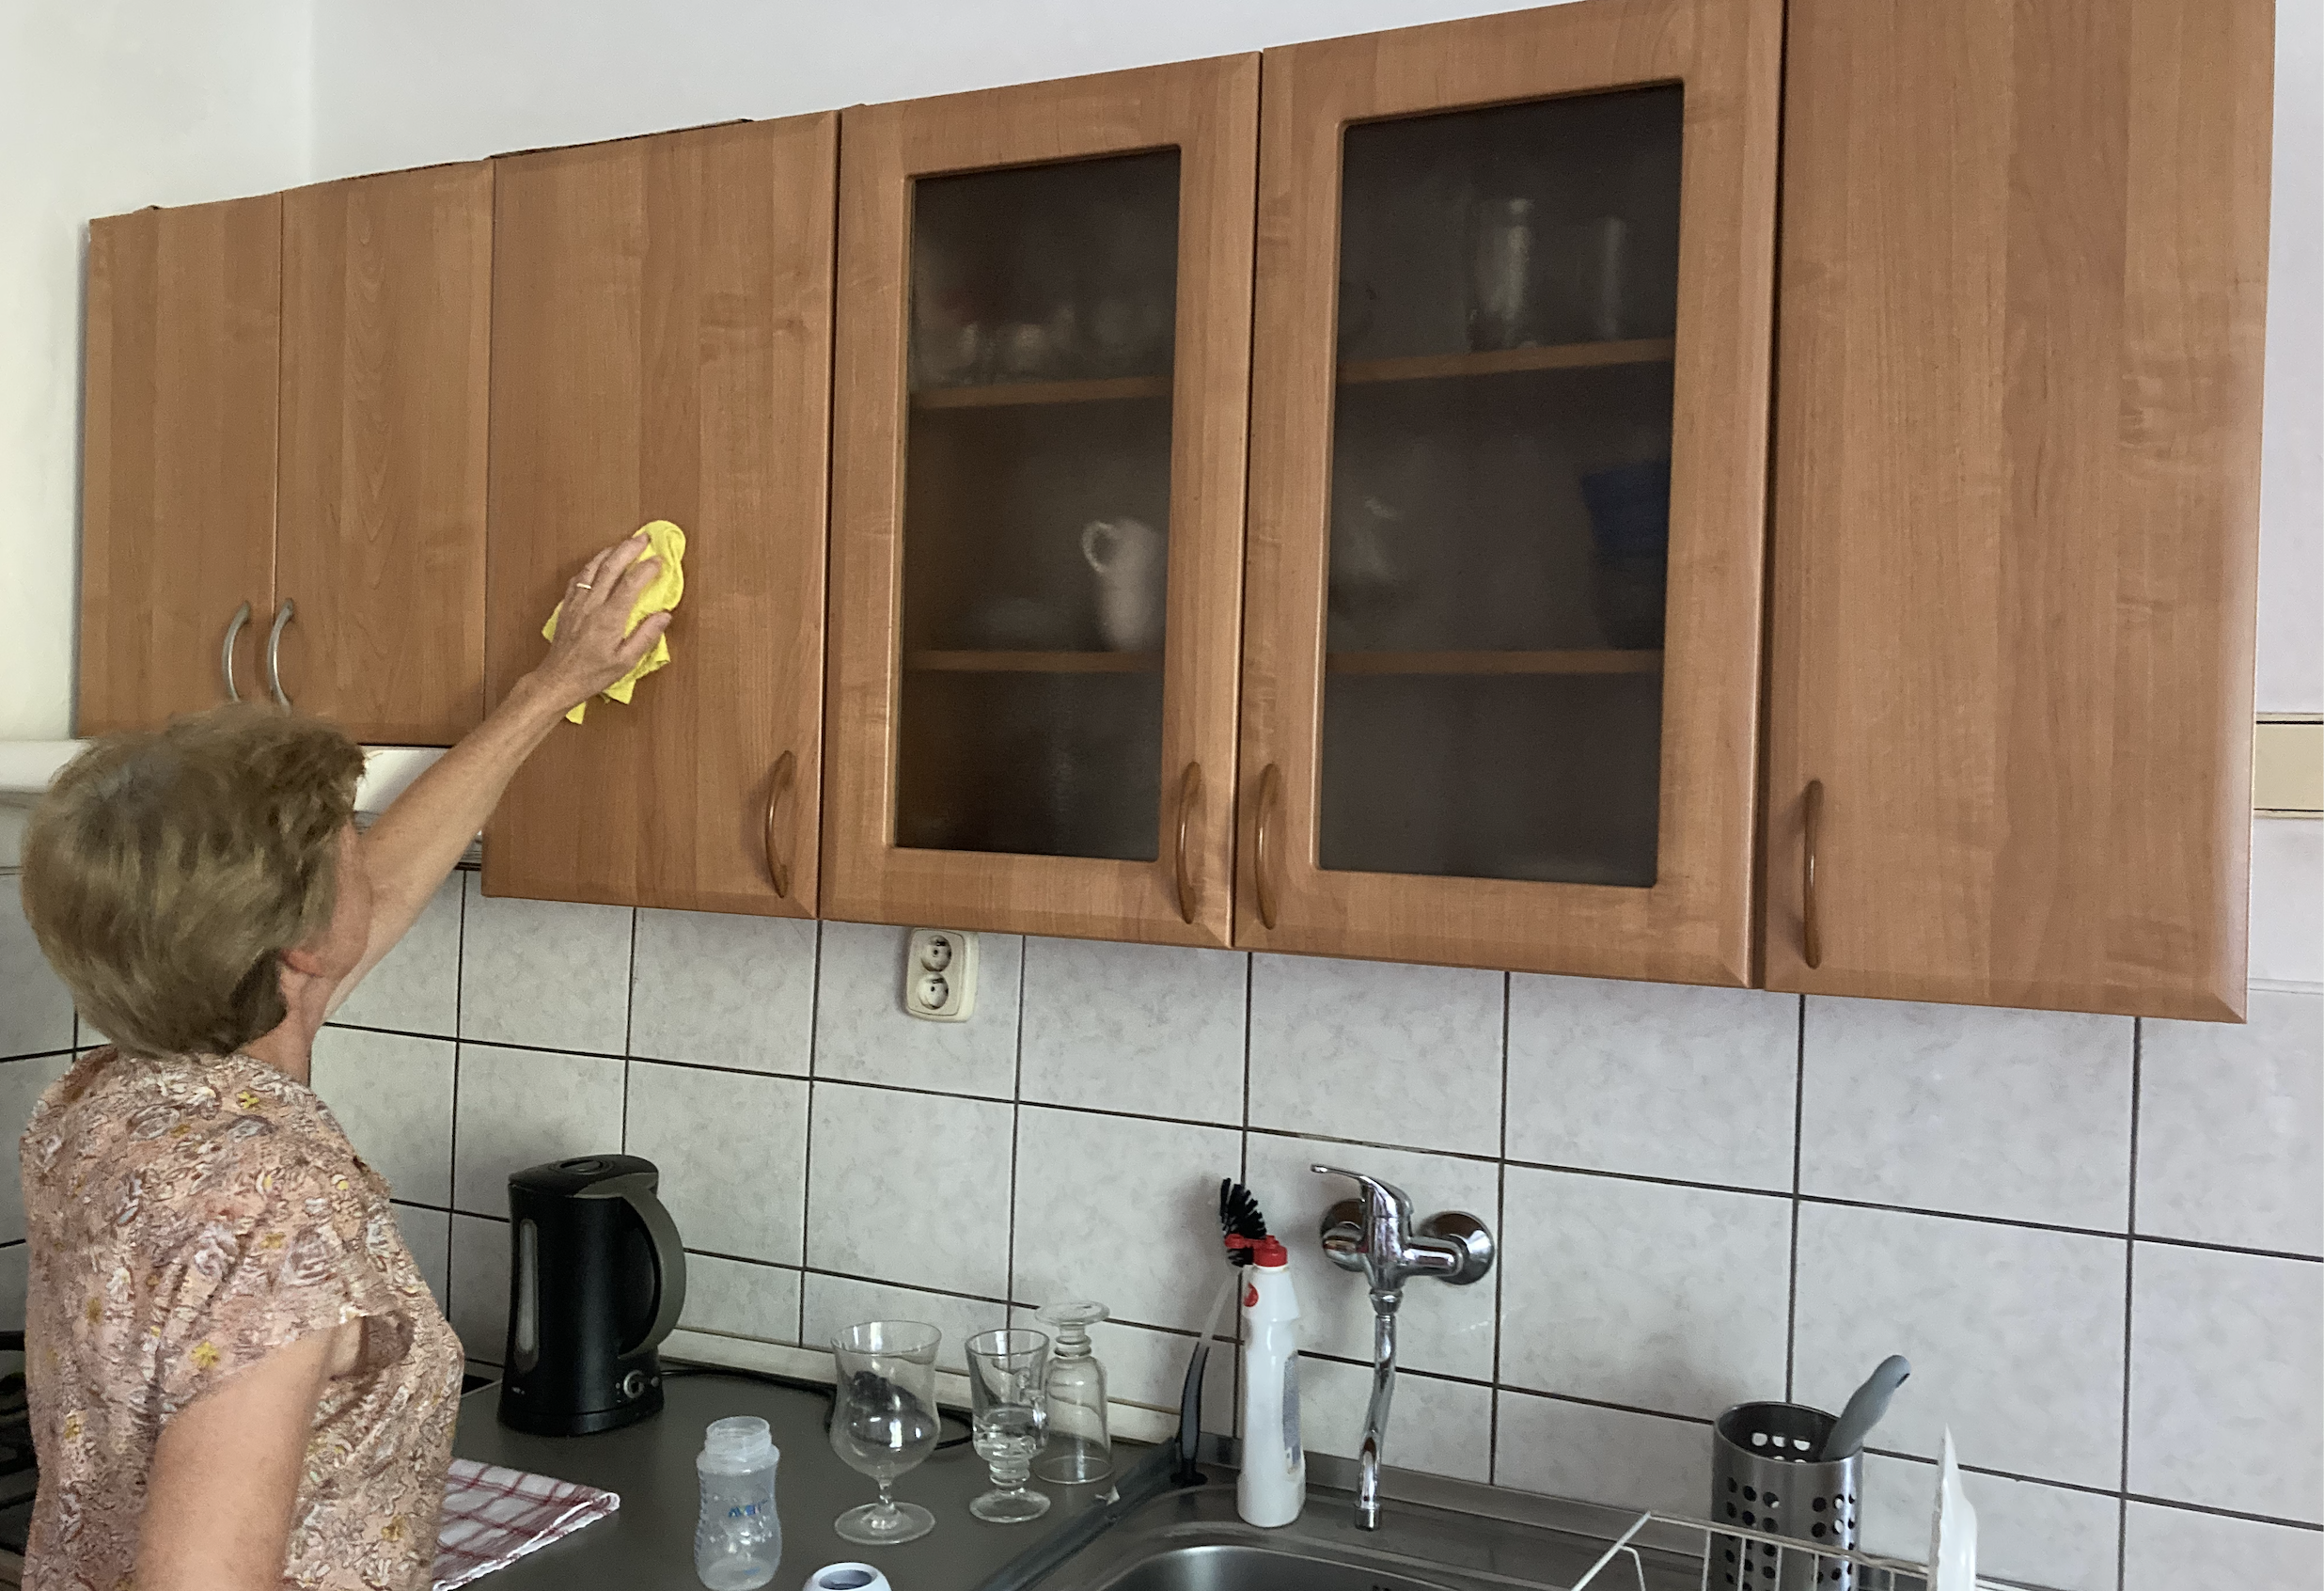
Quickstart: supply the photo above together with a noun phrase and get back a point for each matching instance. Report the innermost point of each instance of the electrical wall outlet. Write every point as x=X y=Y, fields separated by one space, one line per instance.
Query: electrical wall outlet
x=940 y=975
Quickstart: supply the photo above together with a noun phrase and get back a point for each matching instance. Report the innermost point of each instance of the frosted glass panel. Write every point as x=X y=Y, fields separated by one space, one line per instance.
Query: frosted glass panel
x=1500 y=491
x=1037 y=509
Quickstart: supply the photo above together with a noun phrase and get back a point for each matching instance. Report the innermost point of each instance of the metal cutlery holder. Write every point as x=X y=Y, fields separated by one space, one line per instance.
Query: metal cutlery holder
x=1763 y=1479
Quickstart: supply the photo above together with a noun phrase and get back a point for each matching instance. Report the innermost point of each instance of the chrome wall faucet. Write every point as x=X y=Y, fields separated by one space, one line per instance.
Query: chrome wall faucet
x=1376 y=1234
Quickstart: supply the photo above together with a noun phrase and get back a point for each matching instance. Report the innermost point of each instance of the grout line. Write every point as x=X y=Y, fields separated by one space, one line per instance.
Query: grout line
x=1016 y=1129
x=1799 y=1118
x=806 y=1129
x=1501 y=1226
x=2130 y=1293
x=2309 y=1526
x=1616 y=1407
x=451 y=1169
x=629 y=1025
x=35 y=1055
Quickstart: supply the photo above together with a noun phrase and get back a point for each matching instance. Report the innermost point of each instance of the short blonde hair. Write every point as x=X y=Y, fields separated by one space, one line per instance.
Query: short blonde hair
x=165 y=872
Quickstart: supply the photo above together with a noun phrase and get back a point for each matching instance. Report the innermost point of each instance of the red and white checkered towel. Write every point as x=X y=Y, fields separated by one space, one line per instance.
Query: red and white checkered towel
x=493 y=1516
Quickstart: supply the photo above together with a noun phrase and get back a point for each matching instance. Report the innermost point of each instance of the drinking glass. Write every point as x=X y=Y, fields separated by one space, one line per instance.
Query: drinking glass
x=1080 y=1448
x=1007 y=1373
x=884 y=1421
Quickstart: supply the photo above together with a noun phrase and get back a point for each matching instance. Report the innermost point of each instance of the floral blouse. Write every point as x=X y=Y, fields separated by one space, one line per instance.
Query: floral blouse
x=187 y=1216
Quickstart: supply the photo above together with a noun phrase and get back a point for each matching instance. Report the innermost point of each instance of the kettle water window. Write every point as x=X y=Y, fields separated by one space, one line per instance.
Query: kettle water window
x=1500 y=491
x=1036 y=518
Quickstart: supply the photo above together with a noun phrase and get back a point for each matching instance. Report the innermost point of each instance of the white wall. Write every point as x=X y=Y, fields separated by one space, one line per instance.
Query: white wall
x=106 y=106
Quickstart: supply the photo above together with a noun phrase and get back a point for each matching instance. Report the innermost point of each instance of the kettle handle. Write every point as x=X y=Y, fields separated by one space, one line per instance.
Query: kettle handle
x=669 y=1254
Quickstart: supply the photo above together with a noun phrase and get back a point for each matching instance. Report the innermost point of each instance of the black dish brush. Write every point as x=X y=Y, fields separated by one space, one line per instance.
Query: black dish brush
x=1239 y=1219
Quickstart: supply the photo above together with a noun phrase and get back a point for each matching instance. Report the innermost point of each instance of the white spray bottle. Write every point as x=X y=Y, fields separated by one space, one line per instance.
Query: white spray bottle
x=1272 y=1487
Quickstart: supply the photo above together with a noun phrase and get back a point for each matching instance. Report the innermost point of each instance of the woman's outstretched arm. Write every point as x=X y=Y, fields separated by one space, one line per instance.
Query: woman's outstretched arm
x=419 y=839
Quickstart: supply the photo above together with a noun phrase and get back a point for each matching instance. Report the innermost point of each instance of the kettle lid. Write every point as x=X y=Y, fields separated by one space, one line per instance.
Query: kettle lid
x=586 y=1176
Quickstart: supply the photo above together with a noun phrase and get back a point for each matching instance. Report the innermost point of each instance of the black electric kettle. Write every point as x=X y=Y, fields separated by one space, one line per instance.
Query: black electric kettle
x=596 y=1278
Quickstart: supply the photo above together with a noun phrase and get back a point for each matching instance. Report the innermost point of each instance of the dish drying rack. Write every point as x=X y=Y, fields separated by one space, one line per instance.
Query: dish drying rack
x=1795 y=1560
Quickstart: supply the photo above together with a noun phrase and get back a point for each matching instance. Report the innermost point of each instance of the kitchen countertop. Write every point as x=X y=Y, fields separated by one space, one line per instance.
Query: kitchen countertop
x=647 y=1545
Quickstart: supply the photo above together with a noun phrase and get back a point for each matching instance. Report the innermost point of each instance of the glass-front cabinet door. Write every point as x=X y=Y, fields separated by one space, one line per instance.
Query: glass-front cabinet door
x=1509 y=449
x=1037 y=473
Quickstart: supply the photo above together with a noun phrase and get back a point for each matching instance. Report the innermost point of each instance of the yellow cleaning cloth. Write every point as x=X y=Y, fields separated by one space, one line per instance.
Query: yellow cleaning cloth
x=668 y=543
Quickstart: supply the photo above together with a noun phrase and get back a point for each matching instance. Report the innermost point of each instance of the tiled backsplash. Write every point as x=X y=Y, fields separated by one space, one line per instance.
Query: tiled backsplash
x=2098 y=1240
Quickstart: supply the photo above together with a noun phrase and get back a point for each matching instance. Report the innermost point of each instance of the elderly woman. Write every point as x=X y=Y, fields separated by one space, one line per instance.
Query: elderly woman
x=238 y=1379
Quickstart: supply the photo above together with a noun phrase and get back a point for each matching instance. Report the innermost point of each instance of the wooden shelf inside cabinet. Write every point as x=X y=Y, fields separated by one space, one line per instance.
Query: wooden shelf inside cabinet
x=1598 y=662
x=1032 y=662
x=1509 y=361
x=1018 y=394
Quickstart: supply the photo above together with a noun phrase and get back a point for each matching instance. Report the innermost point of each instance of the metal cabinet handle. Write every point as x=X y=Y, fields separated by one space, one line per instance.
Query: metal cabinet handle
x=785 y=775
x=225 y=652
x=1270 y=794
x=1189 y=792
x=273 y=652
x=1812 y=818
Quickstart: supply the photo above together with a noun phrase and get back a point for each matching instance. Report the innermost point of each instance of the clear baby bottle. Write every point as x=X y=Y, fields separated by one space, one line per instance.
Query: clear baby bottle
x=739 y=1540
x=1079 y=1447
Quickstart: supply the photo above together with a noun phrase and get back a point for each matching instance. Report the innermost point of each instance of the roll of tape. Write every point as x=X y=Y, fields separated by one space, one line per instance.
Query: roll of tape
x=847 y=1577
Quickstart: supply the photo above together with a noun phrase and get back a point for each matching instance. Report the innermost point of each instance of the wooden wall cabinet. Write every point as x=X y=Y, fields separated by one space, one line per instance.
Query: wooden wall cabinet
x=379 y=552
x=1038 y=462
x=177 y=459
x=1508 y=450
x=2015 y=506
x=286 y=422
x=661 y=350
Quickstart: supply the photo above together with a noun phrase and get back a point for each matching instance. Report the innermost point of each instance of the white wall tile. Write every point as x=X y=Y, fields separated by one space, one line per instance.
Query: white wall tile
x=429 y=1235
x=1376 y=1052
x=1667 y=1299
x=1656 y=1080
x=2229 y=1147
x=12 y=1283
x=2227 y=1380
x=1153 y=1030
x=37 y=1014
x=1438 y=1426
x=863 y=1035
x=2287 y=909
x=2046 y=1535
x=1969 y=1109
x=836 y=1303
x=2014 y=1335
x=724 y=991
x=416 y=989
x=22 y=1083
x=545 y=973
x=1122 y=1210
x=733 y=1153
x=520 y=1107
x=909 y=1187
x=1609 y=1455
x=2176 y=1550
x=1443 y=1328
x=393 y=1095
x=479 y=1274
x=739 y=1300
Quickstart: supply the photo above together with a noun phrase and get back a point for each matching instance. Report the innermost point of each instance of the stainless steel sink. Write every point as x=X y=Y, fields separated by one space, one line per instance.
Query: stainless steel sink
x=1460 y=1537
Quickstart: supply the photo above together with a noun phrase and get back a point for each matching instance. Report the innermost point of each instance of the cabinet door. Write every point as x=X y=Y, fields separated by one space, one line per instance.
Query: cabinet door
x=177 y=459
x=1045 y=321
x=387 y=295
x=2016 y=514
x=1508 y=457
x=661 y=350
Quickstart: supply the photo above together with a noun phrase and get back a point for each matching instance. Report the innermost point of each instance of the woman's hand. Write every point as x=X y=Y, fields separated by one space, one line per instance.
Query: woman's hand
x=591 y=651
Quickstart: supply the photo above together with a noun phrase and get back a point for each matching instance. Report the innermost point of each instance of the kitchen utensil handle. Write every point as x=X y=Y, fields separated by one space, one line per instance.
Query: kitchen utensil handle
x=1189 y=792
x=669 y=1258
x=226 y=651
x=1270 y=792
x=1811 y=929
x=778 y=787
x=273 y=652
x=1865 y=1409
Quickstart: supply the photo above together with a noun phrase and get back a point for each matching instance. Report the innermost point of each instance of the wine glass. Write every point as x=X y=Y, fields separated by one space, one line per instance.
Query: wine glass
x=884 y=1421
x=1007 y=1373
